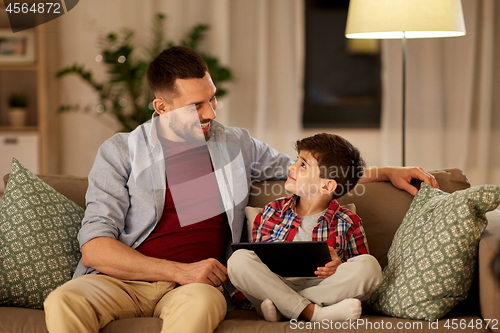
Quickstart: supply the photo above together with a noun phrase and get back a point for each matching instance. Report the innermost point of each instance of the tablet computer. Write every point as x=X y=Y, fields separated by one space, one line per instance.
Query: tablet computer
x=290 y=259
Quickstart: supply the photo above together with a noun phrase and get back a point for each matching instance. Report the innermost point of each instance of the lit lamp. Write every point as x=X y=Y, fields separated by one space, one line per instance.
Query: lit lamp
x=402 y=19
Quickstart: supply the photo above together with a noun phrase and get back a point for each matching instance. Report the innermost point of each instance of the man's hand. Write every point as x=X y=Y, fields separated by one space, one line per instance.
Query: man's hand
x=331 y=267
x=209 y=271
x=113 y=258
x=400 y=177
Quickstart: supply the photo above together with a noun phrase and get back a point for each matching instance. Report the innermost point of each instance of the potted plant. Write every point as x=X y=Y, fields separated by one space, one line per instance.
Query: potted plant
x=18 y=104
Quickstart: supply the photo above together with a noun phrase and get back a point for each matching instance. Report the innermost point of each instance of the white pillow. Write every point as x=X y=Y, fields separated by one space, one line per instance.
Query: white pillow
x=251 y=213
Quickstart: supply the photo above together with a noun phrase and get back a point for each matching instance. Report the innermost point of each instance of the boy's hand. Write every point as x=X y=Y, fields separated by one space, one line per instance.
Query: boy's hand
x=331 y=267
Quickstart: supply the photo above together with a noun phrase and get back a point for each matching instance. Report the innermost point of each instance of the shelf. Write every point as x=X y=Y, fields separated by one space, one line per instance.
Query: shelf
x=36 y=79
x=18 y=67
x=19 y=129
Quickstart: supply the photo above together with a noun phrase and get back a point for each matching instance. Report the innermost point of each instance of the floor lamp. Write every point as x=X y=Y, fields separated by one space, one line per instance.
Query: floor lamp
x=403 y=19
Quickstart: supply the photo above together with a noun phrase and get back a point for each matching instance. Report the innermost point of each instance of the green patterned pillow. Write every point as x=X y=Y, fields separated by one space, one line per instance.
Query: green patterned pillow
x=39 y=249
x=432 y=258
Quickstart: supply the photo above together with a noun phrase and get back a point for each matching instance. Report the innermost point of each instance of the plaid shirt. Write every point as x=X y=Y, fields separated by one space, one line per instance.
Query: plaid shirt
x=339 y=227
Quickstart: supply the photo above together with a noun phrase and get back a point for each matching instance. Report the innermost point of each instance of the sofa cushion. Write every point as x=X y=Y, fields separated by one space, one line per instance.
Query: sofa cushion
x=432 y=258
x=251 y=213
x=17 y=320
x=39 y=249
x=72 y=187
x=382 y=207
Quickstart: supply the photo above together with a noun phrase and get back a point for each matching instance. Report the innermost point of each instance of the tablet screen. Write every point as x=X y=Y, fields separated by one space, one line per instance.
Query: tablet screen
x=290 y=259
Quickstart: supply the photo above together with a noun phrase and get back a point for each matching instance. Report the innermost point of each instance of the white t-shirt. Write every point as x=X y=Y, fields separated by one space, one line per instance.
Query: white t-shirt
x=304 y=233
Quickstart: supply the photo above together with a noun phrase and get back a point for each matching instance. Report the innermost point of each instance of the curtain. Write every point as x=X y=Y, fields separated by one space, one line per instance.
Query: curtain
x=453 y=112
x=261 y=41
x=267 y=51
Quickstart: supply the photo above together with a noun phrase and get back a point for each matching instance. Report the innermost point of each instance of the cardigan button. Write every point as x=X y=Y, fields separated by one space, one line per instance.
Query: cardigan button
x=271 y=232
x=292 y=227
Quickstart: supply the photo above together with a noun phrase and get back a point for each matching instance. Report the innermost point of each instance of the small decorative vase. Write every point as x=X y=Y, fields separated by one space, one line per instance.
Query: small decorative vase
x=17 y=117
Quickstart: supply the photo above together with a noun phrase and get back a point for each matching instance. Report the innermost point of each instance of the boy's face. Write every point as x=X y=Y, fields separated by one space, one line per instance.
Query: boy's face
x=303 y=179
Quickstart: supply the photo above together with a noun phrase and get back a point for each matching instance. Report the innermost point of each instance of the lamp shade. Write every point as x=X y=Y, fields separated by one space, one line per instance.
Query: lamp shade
x=385 y=19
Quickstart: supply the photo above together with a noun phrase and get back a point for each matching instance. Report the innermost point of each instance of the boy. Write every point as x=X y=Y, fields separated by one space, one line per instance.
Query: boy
x=328 y=166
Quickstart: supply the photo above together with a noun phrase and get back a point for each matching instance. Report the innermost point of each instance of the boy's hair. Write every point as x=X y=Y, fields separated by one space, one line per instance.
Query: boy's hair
x=177 y=62
x=337 y=159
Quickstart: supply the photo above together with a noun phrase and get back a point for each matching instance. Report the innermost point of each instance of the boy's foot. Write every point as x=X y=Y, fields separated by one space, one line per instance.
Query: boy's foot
x=269 y=311
x=350 y=308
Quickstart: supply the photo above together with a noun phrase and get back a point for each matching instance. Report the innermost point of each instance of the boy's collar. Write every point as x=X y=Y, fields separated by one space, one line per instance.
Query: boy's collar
x=291 y=203
x=333 y=208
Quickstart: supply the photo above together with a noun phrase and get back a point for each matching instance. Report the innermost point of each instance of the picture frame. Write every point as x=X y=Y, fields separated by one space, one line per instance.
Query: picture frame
x=17 y=48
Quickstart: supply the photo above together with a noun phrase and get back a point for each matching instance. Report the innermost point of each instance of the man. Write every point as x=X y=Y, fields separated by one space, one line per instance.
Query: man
x=155 y=250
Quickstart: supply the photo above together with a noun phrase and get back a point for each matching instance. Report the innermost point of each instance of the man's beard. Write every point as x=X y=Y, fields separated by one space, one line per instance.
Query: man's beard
x=208 y=134
x=188 y=134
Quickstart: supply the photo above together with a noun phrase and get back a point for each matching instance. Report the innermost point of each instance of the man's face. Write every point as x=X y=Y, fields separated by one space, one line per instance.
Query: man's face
x=188 y=116
x=303 y=179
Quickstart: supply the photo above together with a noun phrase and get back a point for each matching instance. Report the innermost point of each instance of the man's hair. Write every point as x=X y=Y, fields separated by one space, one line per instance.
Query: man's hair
x=337 y=159
x=177 y=62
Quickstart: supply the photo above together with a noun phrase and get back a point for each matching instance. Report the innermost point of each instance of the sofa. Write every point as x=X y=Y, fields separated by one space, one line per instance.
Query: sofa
x=381 y=207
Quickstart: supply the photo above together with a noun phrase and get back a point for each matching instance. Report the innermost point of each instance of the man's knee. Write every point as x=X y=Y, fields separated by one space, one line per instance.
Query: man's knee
x=59 y=296
x=194 y=307
x=204 y=292
x=67 y=311
x=201 y=296
x=54 y=297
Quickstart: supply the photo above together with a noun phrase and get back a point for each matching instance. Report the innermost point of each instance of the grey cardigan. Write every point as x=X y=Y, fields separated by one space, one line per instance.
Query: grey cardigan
x=127 y=182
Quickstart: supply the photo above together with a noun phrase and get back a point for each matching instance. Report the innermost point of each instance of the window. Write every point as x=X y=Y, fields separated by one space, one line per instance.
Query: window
x=342 y=77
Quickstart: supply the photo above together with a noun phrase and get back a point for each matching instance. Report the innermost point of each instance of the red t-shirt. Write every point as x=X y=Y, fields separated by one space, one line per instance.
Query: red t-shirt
x=173 y=239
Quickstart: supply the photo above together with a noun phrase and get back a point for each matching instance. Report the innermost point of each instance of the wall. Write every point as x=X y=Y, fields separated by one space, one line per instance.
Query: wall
x=83 y=133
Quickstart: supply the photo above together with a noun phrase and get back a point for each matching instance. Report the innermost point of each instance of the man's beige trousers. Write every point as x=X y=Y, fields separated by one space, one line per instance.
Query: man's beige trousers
x=90 y=302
